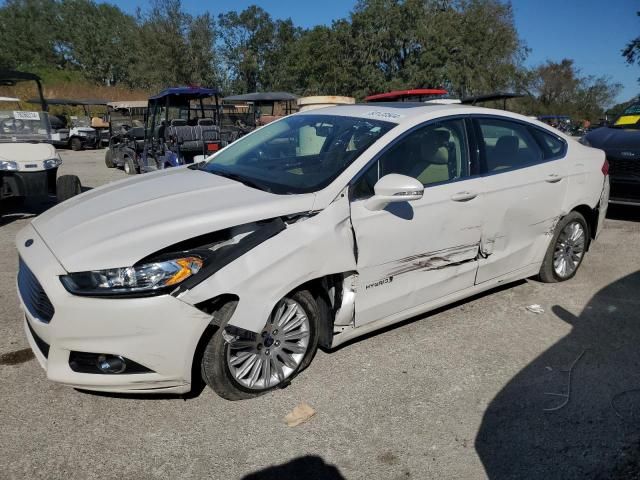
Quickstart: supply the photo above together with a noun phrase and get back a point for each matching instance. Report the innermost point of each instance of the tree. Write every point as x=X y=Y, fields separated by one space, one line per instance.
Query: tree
x=246 y=39
x=632 y=51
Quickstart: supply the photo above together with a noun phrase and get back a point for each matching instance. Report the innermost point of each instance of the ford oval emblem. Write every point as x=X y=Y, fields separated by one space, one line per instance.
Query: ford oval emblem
x=28 y=243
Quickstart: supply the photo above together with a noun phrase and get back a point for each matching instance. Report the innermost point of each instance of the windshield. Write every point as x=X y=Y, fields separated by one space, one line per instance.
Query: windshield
x=630 y=118
x=80 y=121
x=298 y=154
x=119 y=119
x=23 y=126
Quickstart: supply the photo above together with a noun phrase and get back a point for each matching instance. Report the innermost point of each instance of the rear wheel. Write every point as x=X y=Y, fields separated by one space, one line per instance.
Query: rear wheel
x=108 y=159
x=76 y=144
x=67 y=186
x=251 y=364
x=566 y=249
x=130 y=167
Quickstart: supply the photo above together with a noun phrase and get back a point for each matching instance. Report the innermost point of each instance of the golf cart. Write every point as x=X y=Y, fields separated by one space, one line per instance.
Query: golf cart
x=126 y=132
x=267 y=106
x=28 y=162
x=182 y=123
x=73 y=131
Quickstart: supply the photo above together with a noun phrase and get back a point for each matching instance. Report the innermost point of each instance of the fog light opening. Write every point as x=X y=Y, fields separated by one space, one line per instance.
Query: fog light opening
x=111 y=363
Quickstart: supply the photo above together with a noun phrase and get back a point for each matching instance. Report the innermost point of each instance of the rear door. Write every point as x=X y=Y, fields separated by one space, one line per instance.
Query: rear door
x=415 y=252
x=525 y=183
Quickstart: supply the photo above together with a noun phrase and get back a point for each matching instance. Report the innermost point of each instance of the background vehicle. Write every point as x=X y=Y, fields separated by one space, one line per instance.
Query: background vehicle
x=321 y=101
x=126 y=133
x=267 y=106
x=312 y=230
x=621 y=143
x=28 y=162
x=410 y=95
x=70 y=130
x=182 y=123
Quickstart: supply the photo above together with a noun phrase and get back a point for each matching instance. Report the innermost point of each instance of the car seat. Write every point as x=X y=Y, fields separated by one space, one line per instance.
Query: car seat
x=504 y=154
x=434 y=157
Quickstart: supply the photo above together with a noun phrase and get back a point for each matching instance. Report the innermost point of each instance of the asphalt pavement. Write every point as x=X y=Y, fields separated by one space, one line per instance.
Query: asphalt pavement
x=462 y=393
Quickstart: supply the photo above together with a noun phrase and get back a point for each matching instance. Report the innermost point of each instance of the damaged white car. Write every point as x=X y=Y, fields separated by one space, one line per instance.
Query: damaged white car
x=308 y=232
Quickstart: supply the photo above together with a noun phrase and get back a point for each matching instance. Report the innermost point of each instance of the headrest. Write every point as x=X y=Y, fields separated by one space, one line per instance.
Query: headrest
x=205 y=122
x=507 y=143
x=178 y=122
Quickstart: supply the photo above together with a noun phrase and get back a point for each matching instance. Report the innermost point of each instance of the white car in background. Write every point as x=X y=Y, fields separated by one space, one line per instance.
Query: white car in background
x=312 y=230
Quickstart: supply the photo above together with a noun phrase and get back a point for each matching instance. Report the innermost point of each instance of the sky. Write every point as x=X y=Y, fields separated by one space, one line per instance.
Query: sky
x=591 y=32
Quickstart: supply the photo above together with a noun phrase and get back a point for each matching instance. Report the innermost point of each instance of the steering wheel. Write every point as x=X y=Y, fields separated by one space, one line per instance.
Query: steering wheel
x=13 y=124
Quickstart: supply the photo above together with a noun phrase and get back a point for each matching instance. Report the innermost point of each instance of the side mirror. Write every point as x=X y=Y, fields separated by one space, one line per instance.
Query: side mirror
x=394 y=188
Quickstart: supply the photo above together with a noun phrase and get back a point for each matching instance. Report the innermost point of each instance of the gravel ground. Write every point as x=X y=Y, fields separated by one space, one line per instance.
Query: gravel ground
x=459 y=393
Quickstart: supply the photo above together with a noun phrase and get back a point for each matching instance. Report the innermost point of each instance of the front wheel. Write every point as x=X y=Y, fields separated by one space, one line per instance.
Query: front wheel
x=566 y=249
x=108 y=159
x=130 y=167
x=76 y=144
x=67 y=186
x=252 y=364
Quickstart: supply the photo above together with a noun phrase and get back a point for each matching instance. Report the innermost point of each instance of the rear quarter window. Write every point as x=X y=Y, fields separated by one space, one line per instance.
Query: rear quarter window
x=552 y=146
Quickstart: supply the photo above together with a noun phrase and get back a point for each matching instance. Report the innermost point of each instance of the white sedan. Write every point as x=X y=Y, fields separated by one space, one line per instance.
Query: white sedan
x=310 y=231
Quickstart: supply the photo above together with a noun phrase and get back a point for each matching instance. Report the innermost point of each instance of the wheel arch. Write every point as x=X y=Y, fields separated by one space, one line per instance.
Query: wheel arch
x=591 y=215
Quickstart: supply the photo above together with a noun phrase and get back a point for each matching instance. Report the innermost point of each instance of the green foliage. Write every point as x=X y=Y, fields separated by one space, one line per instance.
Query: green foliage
x=469 y=47
x=632 y=51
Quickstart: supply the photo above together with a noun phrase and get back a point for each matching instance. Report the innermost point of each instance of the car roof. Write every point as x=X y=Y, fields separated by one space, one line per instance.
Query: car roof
x=396 y=112
x=262 y=97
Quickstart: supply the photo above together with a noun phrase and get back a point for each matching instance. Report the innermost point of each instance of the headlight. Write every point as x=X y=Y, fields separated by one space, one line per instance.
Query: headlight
x=7 y=165
x=583 y=140
x=52 y=163
x=149 y=278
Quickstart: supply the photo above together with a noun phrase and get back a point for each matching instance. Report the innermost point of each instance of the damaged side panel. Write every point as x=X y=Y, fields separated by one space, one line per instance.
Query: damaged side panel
x=311 y=246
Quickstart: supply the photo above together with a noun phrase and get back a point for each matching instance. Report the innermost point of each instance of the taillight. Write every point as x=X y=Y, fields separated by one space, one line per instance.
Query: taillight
x=213 y=147
x=605 y=167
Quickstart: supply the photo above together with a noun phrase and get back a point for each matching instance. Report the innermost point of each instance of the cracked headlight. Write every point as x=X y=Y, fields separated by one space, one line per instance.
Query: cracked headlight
x=147 y=279
x=7 y=165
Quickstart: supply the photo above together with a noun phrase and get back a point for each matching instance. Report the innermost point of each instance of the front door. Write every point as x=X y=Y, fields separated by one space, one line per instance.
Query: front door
x=412 y=253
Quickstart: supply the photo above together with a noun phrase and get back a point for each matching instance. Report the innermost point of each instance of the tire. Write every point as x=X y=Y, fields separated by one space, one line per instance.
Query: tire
x=108 y=159
x=67 y=186
x=130 y=167
x=76 y=144
x=216 y=369
x=551 y=270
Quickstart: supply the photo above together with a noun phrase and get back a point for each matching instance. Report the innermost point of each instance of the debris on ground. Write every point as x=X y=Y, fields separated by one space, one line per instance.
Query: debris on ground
x=566 y=396
x=300 y=414
x=535 y=308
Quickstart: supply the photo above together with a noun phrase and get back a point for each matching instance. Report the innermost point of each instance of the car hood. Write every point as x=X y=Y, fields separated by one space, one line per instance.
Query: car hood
x=614 y=139
x=26 y=152
x=120 y=223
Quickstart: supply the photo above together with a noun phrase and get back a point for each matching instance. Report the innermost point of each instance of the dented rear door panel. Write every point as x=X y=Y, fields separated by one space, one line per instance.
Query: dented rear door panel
x=523 y=209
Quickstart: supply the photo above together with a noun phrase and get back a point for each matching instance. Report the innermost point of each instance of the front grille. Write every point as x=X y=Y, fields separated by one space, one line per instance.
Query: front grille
x=42 y=345
x=33 y=295
x=624 y=168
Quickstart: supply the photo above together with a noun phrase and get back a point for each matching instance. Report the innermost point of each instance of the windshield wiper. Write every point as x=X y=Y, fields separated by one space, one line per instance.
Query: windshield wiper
x=239 y=178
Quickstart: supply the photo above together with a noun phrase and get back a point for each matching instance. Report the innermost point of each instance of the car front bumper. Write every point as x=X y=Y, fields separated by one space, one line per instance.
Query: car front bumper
x=160 y=333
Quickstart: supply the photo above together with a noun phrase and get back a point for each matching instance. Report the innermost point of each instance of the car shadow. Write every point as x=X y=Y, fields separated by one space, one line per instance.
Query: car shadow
x=309 y=467
x=574 y=412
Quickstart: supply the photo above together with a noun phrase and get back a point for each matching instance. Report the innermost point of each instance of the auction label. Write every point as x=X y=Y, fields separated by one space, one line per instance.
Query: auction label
x=22 y=115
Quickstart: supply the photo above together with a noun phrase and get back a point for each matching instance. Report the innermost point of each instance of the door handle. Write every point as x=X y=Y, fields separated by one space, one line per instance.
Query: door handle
x=463 y=196
x=553 y=178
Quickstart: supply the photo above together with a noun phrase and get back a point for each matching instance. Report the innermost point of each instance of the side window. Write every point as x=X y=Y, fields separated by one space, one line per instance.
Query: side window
x=508 y=145
x=552 y=146
x=432 y=154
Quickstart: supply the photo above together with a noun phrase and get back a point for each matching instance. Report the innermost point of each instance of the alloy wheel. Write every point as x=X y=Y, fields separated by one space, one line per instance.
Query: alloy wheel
x=569 y=249
x=269 y=358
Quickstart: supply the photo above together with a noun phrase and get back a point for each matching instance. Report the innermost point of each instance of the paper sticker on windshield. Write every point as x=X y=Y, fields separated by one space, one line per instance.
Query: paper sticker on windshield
x=383 y=115
x=20 y=115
